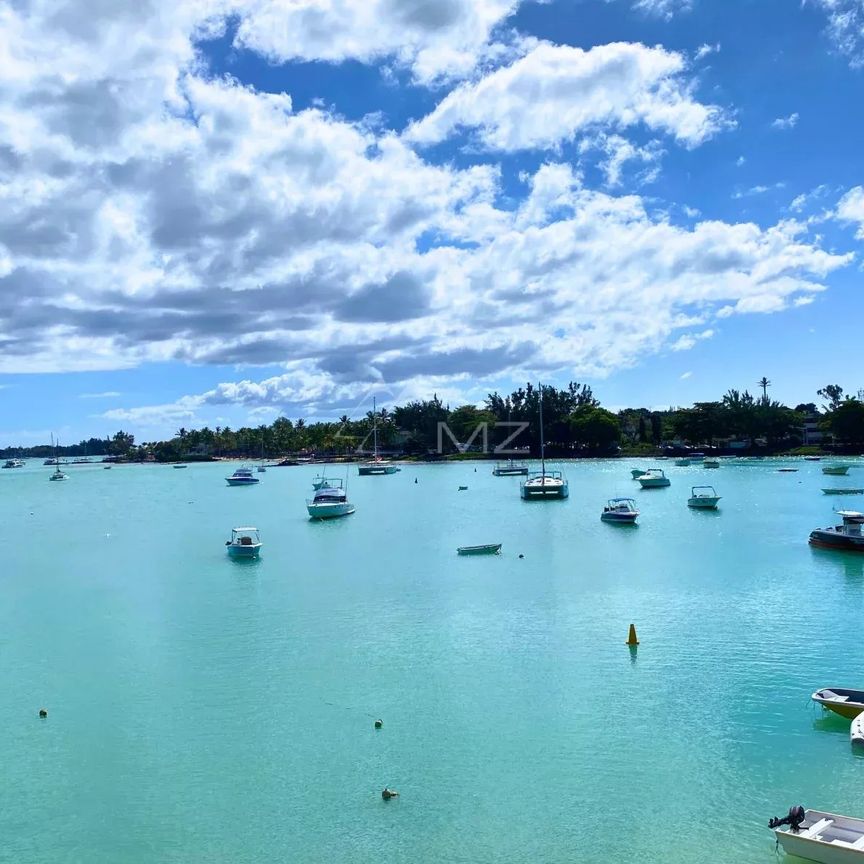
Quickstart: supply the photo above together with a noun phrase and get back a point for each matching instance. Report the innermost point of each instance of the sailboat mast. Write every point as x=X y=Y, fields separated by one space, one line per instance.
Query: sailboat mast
x=375 y=427
x=542 y=440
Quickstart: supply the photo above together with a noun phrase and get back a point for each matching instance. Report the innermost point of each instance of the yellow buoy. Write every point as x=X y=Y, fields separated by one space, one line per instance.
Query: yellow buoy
x=631 y=638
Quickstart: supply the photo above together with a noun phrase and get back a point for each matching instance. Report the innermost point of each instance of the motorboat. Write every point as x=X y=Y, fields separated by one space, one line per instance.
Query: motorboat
x=682 y=463
x=710 y=463
x=856 y=730
x=787 y=470
x=846 y=536
x=819 y=836
x=330 y=501
x=244 y=543
x=836 y=470
x=542 y=485
x=377 y=467
x=812 y=458
x=703 y=498
x=320 y=482
x=621 y=511
x=846 y=703
x=485 y=549
x=636 y=473
x=13 y=463
x=653 y=478
x=843 y=491
x=510 y=468
x=242 y=477
x=180 y=466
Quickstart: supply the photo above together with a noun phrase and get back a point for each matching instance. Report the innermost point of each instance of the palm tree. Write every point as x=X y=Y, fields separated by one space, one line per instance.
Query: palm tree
x=764 y=383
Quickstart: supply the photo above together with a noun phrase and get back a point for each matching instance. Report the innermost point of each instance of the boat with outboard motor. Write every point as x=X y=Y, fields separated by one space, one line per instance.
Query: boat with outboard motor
x=543 y=485
x=654 y=478
x=620 y=511
x=244 y=543
x=330 y=501
x=836 y=470
x=242 y=477
x=840 y=700
x=703 y=498
x=846 y=536
x=816 y=835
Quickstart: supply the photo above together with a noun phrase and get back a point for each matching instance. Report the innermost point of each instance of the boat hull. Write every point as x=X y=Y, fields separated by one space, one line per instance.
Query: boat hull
x=654 y=482
x=245 y=481
x=544 y=492
x=836 y=472
x=248 y=551
x=488 y=549
x=620 y=518
x=846 y=703
x=376 y=470
x=330 y=511
x=703 y=503
x=856 y=730
x=510 y=472
x=843 y=491
x=829 y=538
x=813 y=850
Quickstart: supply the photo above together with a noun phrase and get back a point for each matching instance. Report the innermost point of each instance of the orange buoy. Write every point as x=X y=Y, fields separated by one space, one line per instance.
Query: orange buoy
x=631 y=638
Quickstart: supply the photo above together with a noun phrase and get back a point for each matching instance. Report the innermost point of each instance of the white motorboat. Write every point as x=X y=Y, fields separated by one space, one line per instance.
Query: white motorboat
x=377 y=467
x=653 y=478
x=13 y=463
x=244 y=543
x=856 y=729
x=242 y=477
x=621 y=511
x=703 y=498
x=819 y=836
x=330 y=501
x=542 y=485
x=511 y=468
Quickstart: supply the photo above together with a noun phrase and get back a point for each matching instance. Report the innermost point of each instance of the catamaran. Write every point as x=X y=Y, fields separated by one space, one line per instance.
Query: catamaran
x=544 y=484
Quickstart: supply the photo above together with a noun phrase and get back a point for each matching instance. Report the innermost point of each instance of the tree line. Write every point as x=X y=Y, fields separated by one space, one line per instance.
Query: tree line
x=575 y=423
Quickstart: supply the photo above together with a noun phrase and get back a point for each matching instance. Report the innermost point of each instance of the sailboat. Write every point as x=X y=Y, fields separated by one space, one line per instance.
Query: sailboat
x=58 y=474
x=543 y=484
x=376 y=466
x=262 y=468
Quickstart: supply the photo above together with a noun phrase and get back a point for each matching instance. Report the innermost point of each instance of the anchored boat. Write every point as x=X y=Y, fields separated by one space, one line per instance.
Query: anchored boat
x=485 y=549
x=621 y=511
x=846 y=536
x=846 y=703
x=330 y=501
x=819 y=836
x=544 y=484
x=653 y=478
x=242 y=477
x=710 y=463
x=856 y=729
x=703 y=498
x=843 y=491
x=836 y=470
x=682 y=463
x=636 y=473
x=510 y=469
x=377 y=467
x=244 y=543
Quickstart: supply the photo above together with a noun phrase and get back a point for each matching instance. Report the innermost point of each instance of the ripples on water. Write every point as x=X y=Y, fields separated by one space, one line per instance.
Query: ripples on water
x=207 y=709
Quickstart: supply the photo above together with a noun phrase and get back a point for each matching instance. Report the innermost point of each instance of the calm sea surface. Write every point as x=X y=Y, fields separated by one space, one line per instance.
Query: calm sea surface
x=205 y=710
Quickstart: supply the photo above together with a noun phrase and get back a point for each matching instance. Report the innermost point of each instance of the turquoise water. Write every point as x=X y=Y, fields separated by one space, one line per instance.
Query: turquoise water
x=202 y=709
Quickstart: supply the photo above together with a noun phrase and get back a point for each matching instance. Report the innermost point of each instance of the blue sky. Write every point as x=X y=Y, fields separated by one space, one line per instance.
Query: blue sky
x=235 y=209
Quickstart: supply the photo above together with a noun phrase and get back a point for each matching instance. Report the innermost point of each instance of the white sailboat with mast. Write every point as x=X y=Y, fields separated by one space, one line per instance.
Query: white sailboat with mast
x=58 y=474
x=377 y=466
x=544 y=484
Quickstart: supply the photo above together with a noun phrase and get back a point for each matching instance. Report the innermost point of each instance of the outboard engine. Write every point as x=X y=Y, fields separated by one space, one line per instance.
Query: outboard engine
x=793 y=819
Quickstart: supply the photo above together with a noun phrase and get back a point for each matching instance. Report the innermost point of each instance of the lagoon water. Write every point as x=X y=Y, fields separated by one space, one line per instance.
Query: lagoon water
x=206 y=710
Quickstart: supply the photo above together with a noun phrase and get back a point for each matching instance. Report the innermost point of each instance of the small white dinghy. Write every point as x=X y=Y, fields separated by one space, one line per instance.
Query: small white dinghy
x=856 y=730
x=823 y=837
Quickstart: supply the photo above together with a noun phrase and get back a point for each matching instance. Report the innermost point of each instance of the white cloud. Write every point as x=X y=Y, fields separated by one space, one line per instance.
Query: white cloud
x=805 y=198
x=784 y=123
x=851 y=209
x=663 y=8
x=440 y=39
x=740 y=161
x=704 y=50
x=686 y=375
x=556 y=92
x=689 y=340
x=618 y=151
x=759 y=189
x=108 y=394
x=846 y=27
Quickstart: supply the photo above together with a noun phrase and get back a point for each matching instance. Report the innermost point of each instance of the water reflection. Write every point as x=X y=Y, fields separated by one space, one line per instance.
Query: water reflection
x=852 y=563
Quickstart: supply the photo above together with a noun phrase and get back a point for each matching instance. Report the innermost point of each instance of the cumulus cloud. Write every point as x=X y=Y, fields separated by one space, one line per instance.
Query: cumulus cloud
x=617 y=152
x=435 y=38
x=784 y=123
x=663 y=8
x=556 y=92
x=851 y=209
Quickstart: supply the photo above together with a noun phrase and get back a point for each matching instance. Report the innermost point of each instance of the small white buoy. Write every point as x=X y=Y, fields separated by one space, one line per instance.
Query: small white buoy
x=856 y=730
